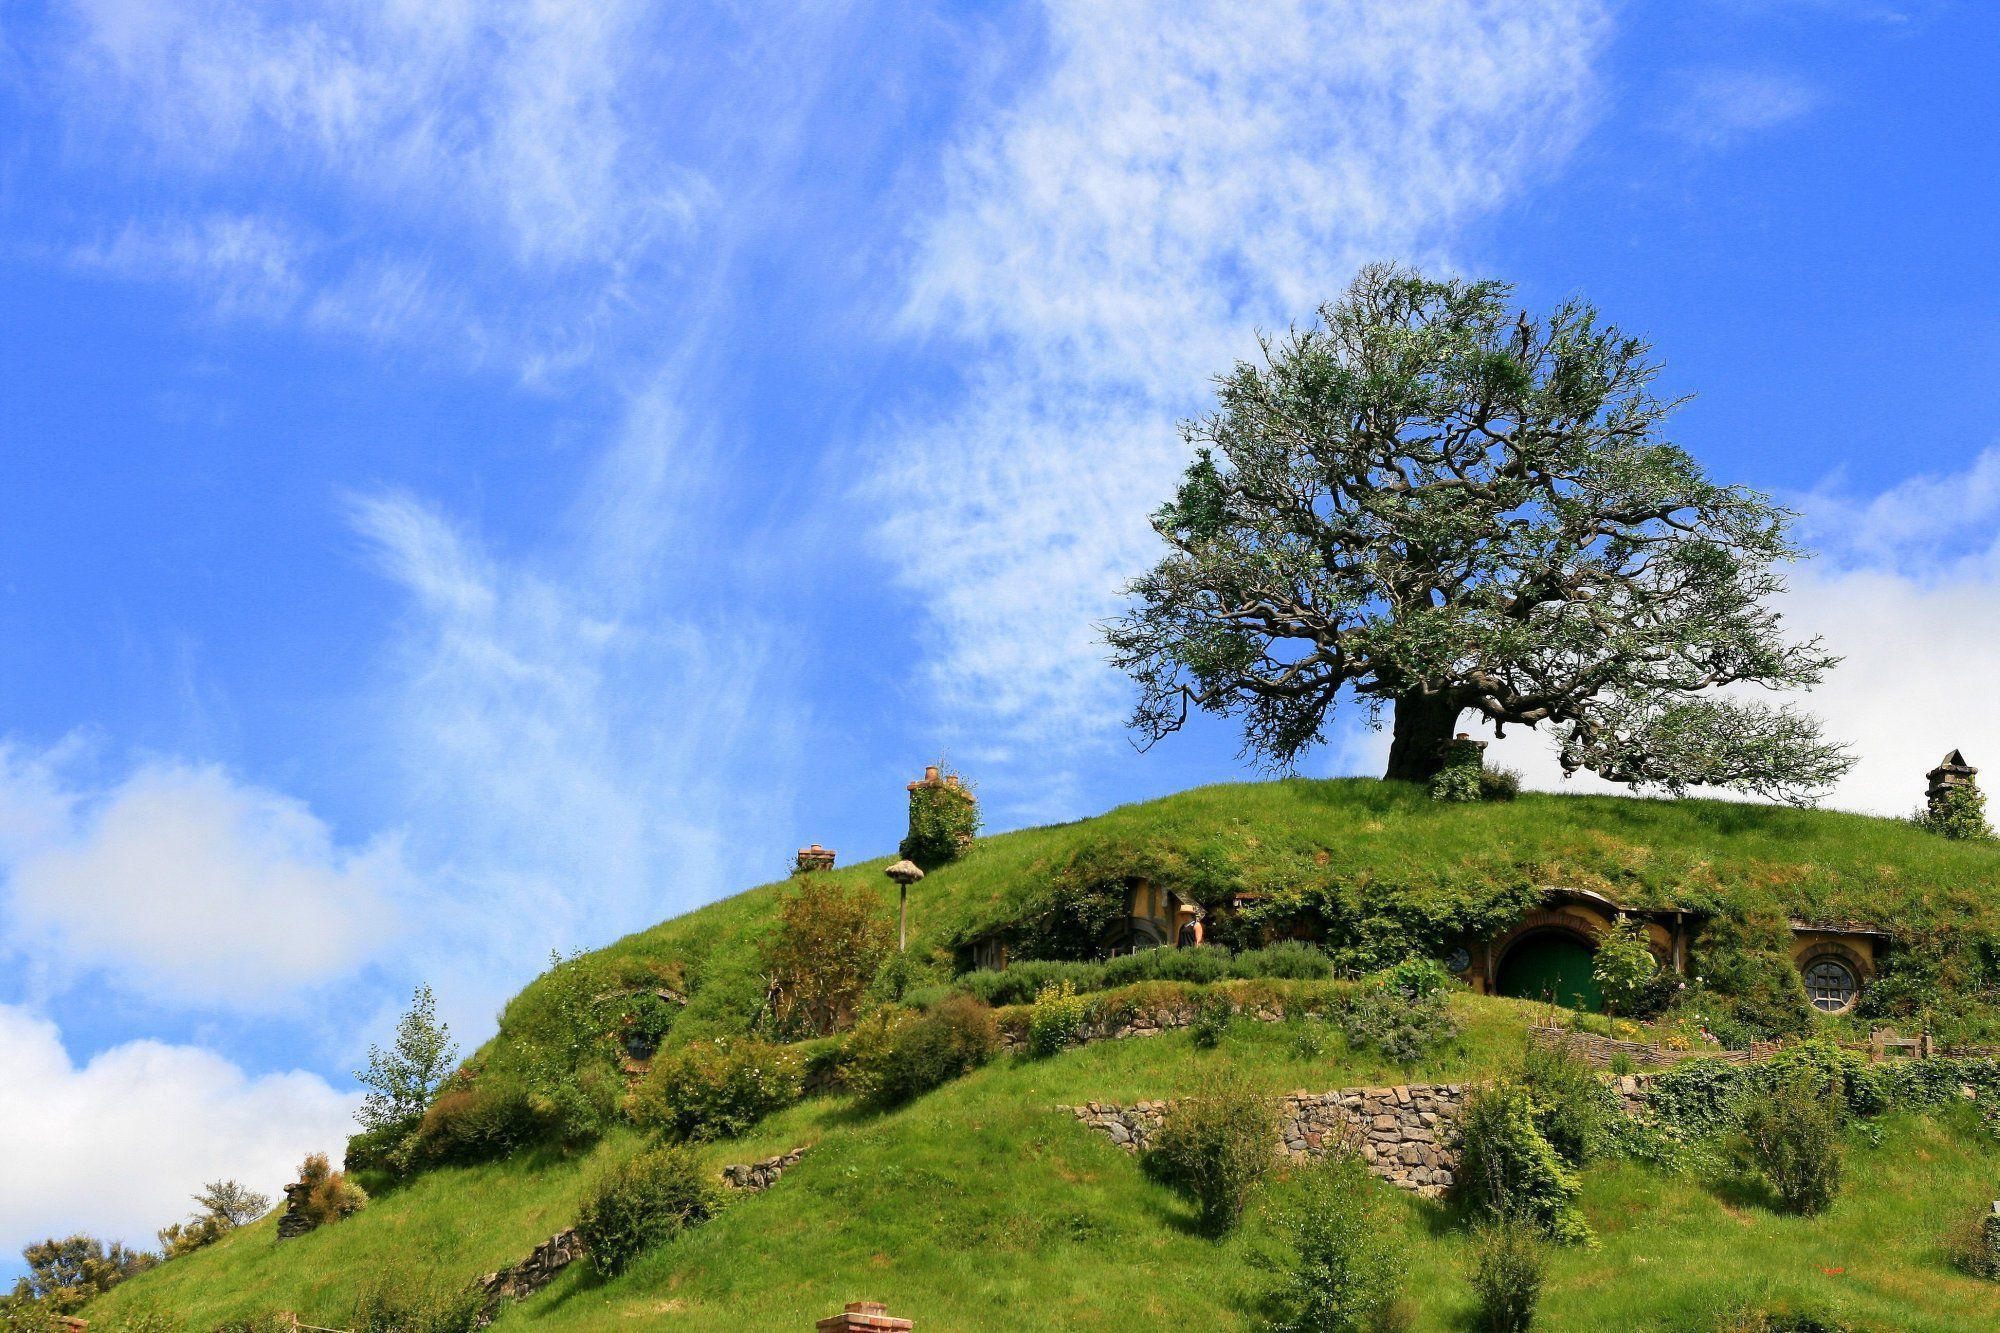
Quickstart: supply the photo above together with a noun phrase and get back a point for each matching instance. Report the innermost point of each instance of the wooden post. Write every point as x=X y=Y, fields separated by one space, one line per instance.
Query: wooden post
x=903 y=918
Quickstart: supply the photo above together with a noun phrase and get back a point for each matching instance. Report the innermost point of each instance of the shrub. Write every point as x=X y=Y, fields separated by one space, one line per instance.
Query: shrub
x=1960 y=814
x=1574 y=1108
x=482 y=1116
x=328 y=1195
x=403 y=1304
x=923 y=1052
x=1340 y=1267
x=1457 y=785
x=1402 y=1028
x=1975 y=1247
x=1415 y=978
x=1507 y=1262
x=830 y=941
x=1216 y=1144
x=1499 y=784
x=1509 y=1171
x=1286 y=960
x=944 y=819
x=1745 y=965
x=642 y=1202
x=716 y=1088
x=1210 y=1022
x=1791 y=1135
x=1624 y=967
x=1198 y=966
x=1057 y=1020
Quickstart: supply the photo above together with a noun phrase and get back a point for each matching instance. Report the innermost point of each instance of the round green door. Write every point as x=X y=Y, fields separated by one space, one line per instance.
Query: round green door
x=1553 y=967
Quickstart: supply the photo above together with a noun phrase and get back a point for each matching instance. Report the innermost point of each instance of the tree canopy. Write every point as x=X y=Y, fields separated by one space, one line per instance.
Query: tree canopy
x=1433 y=503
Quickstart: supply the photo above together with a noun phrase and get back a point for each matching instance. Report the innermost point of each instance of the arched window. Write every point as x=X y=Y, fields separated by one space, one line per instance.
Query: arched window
x=1831 y=984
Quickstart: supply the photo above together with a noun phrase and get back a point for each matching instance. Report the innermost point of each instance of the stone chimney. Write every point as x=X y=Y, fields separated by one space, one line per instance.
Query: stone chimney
x=814 y=858
x=860 y=1315
x=1951 y=774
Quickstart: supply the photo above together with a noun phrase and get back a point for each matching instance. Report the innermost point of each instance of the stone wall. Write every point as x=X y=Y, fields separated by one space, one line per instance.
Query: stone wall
x=751 y=1177
x=1403 y=1133
x=534 y=1272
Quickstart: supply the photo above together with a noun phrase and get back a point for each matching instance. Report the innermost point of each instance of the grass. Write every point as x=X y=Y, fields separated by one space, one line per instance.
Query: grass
x=981 y=1207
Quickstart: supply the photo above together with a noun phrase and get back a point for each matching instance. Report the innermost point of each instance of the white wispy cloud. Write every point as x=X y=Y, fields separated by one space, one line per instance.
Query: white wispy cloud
x=1178 y=177
x=183 y=884
x=113 y=1146
x=1716 y=107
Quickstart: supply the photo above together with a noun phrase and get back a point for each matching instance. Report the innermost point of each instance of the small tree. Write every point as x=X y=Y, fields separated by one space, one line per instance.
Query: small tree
x=223 y=1206
x=1624 y=966
x=402 y=1080
x=831 y=940
x=1431 y=503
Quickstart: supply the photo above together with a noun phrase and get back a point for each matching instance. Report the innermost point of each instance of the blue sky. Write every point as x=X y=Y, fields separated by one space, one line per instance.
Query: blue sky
x=476 y=479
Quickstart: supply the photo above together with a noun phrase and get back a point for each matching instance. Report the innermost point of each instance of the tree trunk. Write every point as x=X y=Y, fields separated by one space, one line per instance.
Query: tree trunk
x=1423 y=724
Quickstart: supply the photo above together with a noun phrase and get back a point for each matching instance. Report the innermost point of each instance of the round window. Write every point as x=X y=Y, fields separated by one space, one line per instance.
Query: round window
x=1831 y=985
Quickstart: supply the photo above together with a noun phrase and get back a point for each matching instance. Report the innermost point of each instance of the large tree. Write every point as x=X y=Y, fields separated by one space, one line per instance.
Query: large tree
x=1435 y=504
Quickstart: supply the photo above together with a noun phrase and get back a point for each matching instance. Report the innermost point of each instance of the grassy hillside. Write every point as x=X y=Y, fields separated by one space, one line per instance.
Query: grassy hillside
x=981 y=1207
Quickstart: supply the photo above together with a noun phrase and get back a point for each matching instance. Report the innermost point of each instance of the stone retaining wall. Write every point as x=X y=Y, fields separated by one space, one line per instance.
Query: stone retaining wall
x=751 y=1177
x=1404 y=1133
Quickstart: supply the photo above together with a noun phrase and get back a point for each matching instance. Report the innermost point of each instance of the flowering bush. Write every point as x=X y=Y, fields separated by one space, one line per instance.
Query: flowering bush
x=1057 y=1019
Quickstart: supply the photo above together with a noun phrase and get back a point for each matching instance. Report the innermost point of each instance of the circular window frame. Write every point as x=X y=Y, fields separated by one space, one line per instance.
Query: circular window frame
x=1843 y=958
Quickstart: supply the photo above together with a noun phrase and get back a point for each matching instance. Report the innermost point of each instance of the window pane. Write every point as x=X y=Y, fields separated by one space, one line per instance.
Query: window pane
x=1830 y=984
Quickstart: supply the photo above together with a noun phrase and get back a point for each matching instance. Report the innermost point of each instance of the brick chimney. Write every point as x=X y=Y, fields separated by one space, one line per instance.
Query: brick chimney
x=815 y=857
x=1951 y=773
x=863 y=1315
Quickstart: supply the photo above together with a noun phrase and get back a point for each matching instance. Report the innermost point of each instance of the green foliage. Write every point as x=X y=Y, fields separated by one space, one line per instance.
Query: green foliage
x=1959 y=813
x=1509 y=1171
x=944 y=820
x=328 y=1195
x=922 y=1052
x=1383 y=1015
x=1508 y=1266
x=1457 y=785
x=1975 y=1245
x=1499 y=784
x=1748 y=986
x=1575 y=1109
x=643 y=1202
x=1791 y=1135
x=402 y=1303
x=63 y=1274
x=1057 y=1020
x=222 y=1206
x=830 y=940
x=1210 y=1021
x=716 y=1089
x=402 y=1080
x=484 y=1114
x=1214 y=1147
x=1291 y=960
x=1624 y=967
x=1527 y=458
x=1340 y=1267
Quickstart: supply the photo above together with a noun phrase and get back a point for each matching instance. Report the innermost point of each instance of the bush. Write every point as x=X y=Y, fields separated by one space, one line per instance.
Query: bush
x=1022 y=982
x=716 y=1088
x=1057 y=1020
x=1960 y=813
x=1507 y=1275
x=1216 y=1144
x=1499 y=784
x=328 y=1195
x=1576 y=1110
x=831 y=940
x=1457 y=785
x=1791 y=1135
x=1287 y=960
x=408 y=1305
x=923 y=1052
x=1509 y=1171
x=1197 y=966
x=481 y=1117
x=643 y=1202
x=1341 y=1267
x=1402 y=1028
x=1975 y=1247
x=944 y=820
x=1210 y=1022
x=1415 y=978
x=1624 y=967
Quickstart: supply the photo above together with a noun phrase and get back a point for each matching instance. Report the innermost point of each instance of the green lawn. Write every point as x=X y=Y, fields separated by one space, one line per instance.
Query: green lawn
x=981 y=1207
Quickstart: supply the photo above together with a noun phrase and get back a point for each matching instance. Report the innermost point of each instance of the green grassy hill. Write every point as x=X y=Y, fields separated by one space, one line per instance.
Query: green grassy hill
x=980 y=1206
